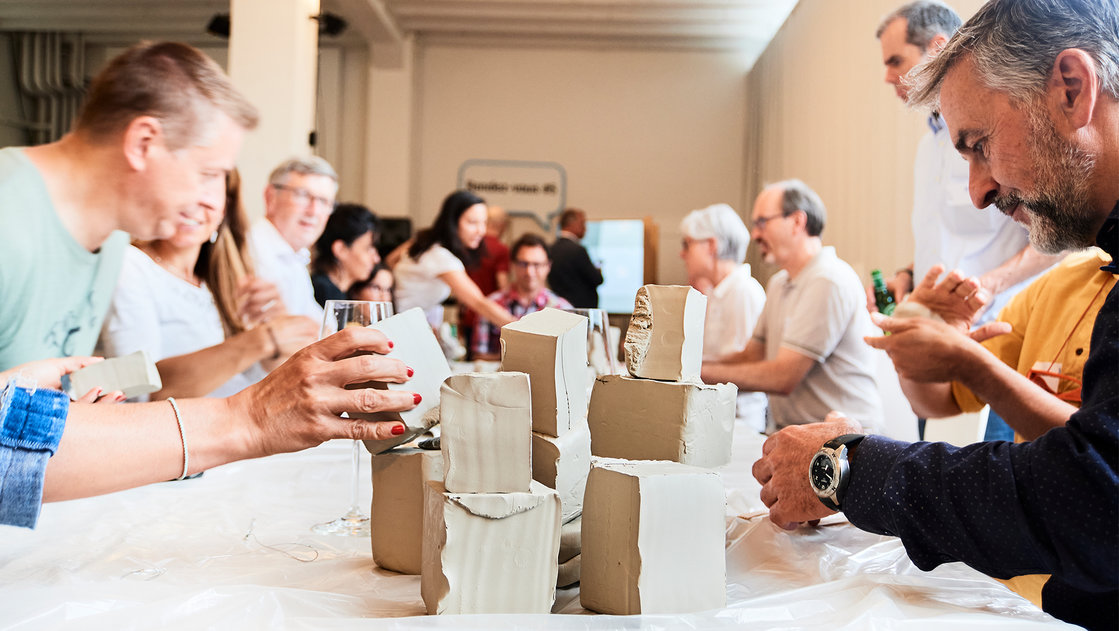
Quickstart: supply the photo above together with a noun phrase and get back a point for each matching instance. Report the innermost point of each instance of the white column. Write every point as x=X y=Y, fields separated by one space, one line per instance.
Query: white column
x=273 y=55
x=388 y=161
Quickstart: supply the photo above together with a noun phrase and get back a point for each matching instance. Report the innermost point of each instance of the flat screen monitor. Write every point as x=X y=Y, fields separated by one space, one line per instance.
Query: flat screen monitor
x=617 y=246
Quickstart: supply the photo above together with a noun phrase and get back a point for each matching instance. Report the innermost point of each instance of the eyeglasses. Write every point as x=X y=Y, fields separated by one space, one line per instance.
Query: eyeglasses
x=303 y=197
x=531 y=265
x=760 y=222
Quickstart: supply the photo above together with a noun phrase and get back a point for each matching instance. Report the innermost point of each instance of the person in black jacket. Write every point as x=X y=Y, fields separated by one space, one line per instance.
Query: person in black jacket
x=573 y=276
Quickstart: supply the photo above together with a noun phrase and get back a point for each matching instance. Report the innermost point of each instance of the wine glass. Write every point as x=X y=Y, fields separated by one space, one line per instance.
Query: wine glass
x=602 y=347
x=338 y=315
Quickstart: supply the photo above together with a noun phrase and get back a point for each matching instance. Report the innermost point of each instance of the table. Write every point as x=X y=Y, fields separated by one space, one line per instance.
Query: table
x=233 y=550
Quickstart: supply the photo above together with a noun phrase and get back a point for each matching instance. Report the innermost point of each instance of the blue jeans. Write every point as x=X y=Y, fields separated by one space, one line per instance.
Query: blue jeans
x=997 y=429
x=31 y=424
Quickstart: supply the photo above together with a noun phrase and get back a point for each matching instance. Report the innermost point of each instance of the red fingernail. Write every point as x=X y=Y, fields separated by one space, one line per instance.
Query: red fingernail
x=411 y=372
x=397 y=430
x=391 y=344
x=416 y=398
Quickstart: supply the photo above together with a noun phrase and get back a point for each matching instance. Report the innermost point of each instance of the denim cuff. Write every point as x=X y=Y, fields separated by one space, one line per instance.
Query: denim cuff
x=32 y=419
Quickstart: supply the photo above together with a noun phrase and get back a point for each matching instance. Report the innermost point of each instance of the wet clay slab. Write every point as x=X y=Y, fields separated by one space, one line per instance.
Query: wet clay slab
x=642 y=419
x=486 y=432
x=414 y=344
x=400 y=477
x=134 y=374
x=490 y=552
x=563 y=464
x=551 y=347
x=665 y=335
x=652 y=539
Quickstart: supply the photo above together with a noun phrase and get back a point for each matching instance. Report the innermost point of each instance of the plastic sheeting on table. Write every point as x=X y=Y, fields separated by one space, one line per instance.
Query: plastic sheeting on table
x=233 y=549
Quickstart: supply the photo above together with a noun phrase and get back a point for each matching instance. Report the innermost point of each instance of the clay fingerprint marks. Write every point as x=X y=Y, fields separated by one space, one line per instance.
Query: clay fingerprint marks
x=486 y=432
x=665 y=337
x=414 y=344
x=397 y=510
x=652 y=539
x=551 y=347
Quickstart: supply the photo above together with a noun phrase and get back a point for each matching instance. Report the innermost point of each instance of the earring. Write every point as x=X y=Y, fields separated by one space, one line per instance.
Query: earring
x=214 y=237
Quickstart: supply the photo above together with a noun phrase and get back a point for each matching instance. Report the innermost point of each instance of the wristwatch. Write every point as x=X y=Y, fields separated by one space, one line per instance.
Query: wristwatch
x=829 y=473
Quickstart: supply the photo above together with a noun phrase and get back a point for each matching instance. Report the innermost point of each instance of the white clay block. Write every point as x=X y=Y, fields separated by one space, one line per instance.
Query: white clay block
x=490 y=552
x=134 y=374
x=551 y=346
x=641 y=419
x=914 y=309
x=665 y=335
x=563 y=464
x=653 y=539
x=400 y=477
x=414 y=344
x=486 y=432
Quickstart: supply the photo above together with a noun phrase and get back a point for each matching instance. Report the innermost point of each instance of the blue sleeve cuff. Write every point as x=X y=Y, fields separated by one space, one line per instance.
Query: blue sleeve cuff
x=32 y=419
x=865 y=504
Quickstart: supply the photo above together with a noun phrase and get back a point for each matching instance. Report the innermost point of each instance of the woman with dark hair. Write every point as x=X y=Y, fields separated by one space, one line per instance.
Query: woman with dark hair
x=345 y=253
x=432 y=266
x=185 y=300
x=377 y=288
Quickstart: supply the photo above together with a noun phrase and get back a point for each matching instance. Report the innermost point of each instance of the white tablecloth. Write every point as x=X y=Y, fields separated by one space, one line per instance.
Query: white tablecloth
x=233 y=550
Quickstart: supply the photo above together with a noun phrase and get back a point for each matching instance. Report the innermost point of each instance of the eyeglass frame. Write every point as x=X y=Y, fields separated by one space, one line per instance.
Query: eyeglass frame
x=532 y=264
x=303 y=196
x=760 y=222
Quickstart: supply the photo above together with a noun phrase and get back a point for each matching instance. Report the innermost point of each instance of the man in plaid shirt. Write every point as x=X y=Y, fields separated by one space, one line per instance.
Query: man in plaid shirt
x=530 y=263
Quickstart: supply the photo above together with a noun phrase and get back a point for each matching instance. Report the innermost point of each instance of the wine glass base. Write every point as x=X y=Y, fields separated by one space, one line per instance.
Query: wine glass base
x=348 y=526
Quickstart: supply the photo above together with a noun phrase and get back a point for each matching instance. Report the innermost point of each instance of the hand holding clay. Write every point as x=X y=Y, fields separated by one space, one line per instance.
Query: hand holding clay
x=299 y=404
x=957 y=300
x=927 y=351
x=783 y=469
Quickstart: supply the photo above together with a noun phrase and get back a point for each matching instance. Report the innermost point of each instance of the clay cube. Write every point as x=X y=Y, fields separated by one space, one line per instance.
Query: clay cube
x=563 y=464
x=641 y=419
x=490 y=552
x=653 y=539
x=134 y=374
x=551 y=346
x=400 y=477
x=486 y=432
x=414 y=344
x=570 y=544
x=665 y=336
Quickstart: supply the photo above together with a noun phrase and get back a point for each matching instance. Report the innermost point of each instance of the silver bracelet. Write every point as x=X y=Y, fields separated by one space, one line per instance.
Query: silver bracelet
x=182 y=434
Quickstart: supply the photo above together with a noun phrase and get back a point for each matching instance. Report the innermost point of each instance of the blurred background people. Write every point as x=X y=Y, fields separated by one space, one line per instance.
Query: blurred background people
x=177 y=298
x=298 y=200
x=345 y=252
x=573 y=275
x=714 y=251
x=525 y=294
x=491 y=272
x=377 y=288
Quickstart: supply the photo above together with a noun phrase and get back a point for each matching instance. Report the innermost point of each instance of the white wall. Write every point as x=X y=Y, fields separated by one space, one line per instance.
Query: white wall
x=638 y=133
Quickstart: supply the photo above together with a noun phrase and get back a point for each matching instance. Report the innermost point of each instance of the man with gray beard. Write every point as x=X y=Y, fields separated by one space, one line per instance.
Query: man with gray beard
x=1029 y=90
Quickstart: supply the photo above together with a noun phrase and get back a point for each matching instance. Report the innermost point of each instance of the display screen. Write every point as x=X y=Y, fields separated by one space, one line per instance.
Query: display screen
x=617 y=247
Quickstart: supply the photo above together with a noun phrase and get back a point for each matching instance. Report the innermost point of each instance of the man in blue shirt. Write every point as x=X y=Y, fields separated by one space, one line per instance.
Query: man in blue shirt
x=1029 y=90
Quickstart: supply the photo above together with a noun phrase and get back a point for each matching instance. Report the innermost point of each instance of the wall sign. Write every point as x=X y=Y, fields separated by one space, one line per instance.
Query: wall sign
x=518 y=186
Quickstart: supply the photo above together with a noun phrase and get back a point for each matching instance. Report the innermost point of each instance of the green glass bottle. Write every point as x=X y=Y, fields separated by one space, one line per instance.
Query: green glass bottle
x=883 y=299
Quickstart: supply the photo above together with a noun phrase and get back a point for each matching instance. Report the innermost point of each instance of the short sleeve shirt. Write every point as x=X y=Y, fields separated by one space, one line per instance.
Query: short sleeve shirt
x=418 y=283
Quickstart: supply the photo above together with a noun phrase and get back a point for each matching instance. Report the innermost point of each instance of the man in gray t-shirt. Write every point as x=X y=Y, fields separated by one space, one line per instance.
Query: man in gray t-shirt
x=807 y=351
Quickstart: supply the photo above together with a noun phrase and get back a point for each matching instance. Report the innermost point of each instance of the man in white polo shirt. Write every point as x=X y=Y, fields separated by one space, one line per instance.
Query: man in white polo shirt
x=807 y=352
x=297 y=202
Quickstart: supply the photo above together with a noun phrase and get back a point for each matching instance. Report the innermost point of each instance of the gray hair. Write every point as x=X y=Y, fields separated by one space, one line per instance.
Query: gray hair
x=924 y=19
x=796 y=196
x=310 y=165
x=1013 y=44
x=721 y=223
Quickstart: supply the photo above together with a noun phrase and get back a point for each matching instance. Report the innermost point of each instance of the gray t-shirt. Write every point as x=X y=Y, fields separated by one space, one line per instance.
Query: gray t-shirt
x=822 y=314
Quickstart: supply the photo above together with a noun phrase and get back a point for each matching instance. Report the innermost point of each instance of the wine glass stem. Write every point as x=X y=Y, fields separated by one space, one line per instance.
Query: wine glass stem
x=353 y=487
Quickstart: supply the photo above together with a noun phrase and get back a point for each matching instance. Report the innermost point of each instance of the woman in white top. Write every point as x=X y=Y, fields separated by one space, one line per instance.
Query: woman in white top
x=185 y=299
x=432 y=266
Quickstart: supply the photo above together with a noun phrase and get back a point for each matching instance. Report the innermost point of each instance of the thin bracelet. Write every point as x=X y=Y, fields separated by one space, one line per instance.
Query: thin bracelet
x=275 y=342
x=182 y=434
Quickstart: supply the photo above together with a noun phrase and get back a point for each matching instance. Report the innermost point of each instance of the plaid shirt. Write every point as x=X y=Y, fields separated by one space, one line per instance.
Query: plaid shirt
x=486 y=335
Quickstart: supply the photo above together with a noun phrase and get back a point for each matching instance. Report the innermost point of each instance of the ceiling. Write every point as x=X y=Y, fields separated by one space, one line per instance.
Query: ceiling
x=741 y=25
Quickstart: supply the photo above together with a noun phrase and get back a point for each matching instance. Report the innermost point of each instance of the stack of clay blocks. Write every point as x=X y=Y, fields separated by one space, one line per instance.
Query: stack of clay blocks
x=396 y=517
x=551 y=347
x=491 y=534
x=663 y=411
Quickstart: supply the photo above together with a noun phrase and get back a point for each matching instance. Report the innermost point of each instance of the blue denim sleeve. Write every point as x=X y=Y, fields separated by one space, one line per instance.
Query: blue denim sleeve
x=31 y=424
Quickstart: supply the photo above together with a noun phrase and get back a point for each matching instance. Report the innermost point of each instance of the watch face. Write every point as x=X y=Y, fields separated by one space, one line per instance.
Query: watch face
x=822 y=472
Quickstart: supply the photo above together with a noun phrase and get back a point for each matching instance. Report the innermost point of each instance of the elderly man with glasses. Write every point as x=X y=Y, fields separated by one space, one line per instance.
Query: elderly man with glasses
x=297 y=202
x=807 y=352
x=526 y=293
